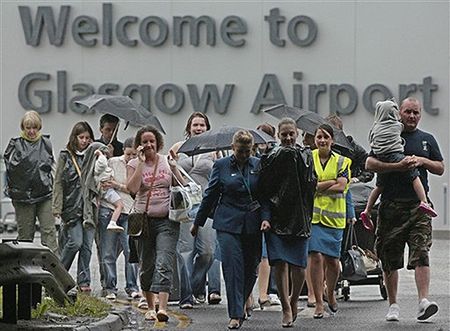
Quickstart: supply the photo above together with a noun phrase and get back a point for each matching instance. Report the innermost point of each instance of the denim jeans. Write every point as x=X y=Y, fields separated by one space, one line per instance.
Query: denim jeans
x=157 y=254
x=195 y=256
x=74 y=238
x=214 y=273
x=111 y=244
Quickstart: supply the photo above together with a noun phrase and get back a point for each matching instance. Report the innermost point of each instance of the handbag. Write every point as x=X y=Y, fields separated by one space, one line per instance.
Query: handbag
x=136 y=220
x=184 y=200
x=136 y=223
x=353 y=267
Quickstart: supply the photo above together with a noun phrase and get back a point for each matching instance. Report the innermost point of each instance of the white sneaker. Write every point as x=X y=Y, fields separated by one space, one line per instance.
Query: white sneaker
x=393 y=313
x=426 y=309
x=200 y=299
x=112 y=226
x=274 y=300
x=135 y=295
x=111 y=296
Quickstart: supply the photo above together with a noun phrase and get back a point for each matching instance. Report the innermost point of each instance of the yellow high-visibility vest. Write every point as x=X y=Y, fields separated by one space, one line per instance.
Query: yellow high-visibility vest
x=330 y=209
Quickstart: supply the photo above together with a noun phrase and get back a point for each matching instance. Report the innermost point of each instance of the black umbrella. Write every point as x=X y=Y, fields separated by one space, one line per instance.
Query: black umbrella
x=123 y=107
x=219 y=139
x=308 y=122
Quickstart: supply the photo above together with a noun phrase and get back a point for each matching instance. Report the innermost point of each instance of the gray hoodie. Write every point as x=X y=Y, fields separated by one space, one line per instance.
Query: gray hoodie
x=384 y=136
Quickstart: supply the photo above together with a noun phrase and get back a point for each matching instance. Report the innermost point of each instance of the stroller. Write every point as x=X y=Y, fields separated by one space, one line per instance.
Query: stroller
x=365 y=241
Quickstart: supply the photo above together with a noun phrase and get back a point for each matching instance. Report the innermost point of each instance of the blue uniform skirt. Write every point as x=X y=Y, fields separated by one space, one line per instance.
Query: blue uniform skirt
x=290 y=249
x=326 y=240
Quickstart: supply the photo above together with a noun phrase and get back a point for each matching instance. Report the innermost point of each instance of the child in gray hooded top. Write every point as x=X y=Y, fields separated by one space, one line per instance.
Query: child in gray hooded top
x=387 y=146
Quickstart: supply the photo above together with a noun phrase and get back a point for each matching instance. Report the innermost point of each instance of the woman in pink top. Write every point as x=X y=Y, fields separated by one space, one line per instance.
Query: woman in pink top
x=152 y=173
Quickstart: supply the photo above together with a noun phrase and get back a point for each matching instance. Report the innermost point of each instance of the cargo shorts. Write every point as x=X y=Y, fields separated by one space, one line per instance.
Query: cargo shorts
x=400 y=223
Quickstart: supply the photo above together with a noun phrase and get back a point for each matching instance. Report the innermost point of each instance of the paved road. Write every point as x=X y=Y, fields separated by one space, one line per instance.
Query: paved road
x=364 y=311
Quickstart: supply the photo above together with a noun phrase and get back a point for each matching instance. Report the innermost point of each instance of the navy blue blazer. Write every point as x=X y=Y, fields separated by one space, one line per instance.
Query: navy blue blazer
x=227 y=190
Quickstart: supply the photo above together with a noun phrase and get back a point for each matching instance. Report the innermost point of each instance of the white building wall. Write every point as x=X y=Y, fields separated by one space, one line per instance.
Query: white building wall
x=358 y=43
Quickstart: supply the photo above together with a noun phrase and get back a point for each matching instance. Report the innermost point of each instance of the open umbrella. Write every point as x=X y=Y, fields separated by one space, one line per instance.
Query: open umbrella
x=308 y=122
x=219 y=139
x=123 y=107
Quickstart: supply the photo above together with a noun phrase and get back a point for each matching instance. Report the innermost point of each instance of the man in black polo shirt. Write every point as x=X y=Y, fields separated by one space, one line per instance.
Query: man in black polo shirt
x=399 y=220
x=108 y=124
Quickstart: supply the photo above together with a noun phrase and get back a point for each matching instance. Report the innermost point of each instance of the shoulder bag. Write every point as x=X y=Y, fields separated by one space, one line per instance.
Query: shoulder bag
x=136 y=220
x=184 y=200
x=353 y=267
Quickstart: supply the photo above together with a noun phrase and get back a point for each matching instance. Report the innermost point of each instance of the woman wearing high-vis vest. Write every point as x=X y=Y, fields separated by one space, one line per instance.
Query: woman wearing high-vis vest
x=328 y=222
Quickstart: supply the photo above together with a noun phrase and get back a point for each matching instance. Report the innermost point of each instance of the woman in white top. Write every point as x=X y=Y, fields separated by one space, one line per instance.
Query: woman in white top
x=196 y=255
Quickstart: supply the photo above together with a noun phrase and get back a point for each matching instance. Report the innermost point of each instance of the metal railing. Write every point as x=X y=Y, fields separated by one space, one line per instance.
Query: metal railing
x=25 y=268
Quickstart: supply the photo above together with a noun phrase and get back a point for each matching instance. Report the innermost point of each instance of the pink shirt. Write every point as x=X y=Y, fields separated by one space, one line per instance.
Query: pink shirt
x=159 y=201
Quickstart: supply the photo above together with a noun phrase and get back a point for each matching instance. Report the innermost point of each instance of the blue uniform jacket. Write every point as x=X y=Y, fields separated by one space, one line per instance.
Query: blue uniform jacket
x=227 y=191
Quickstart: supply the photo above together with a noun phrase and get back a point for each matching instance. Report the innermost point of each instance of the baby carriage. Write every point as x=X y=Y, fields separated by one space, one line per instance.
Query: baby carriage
x=365 y=240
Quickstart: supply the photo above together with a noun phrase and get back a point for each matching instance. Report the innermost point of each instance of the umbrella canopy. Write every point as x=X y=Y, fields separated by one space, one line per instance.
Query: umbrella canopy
x=219 y=139
x=308 y=122
x=123 y=107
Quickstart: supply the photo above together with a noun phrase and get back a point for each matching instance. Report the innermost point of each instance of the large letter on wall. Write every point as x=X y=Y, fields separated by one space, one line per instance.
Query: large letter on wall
x=210 y=93
x=269 y=93
x=336 y=92
x=24 y=93
x=44 y=16
x=194 y=26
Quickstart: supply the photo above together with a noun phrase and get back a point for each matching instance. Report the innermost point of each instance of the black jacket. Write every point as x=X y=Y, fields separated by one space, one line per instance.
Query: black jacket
x=358 y=157
x=67 y=195
x=29 y=176
x=288 y=181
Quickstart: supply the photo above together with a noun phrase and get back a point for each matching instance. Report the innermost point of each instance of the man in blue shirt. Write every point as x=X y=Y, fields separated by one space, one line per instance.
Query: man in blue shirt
x=399 y=220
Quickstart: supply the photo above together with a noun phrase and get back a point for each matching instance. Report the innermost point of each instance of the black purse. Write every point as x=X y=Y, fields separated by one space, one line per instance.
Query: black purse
x=136 y=223
x=353 y=267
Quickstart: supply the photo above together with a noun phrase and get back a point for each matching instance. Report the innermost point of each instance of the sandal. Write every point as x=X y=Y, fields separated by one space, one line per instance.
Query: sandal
x=234 y=324
x=366 y=221
x=151 y=315
x=85 y=289
x=162 y=316
x=142 y=303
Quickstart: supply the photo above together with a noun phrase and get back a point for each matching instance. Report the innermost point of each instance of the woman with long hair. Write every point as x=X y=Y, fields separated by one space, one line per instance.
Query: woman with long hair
x=68 y=205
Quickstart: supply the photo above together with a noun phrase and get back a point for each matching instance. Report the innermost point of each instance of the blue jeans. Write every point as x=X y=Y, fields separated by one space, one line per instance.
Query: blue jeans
x=111 y=244
x=214 y=273
x=74 y=238
x=194 y=256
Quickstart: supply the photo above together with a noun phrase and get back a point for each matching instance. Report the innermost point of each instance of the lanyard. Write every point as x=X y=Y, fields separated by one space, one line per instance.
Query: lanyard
x=246 y=181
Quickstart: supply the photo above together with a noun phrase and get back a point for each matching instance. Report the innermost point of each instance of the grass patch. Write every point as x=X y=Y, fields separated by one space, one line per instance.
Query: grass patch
x=84 y=306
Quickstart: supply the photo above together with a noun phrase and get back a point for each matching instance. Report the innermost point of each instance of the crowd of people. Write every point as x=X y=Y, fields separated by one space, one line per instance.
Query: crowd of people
x=276 y=212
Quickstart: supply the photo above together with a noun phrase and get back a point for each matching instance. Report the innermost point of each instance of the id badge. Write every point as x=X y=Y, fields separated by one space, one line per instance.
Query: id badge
x=254 y=205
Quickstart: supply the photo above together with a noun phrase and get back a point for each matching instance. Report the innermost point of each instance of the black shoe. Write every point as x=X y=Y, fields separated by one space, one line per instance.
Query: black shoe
x=264 y=303
x=318 y=315
x=333 y=308
x=214 y=298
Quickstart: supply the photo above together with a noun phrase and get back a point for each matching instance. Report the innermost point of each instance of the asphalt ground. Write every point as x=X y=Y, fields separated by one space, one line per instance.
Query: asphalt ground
x=365 y=310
